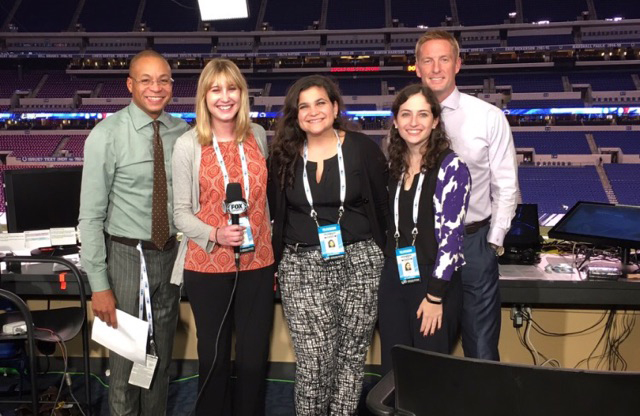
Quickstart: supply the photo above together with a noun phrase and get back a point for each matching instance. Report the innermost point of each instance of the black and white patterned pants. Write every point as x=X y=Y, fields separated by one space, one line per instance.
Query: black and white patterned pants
x=331 y=310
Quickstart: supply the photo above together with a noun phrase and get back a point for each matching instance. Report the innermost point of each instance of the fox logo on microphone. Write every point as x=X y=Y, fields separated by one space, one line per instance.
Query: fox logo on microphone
x=234 y=204
x=236 y=207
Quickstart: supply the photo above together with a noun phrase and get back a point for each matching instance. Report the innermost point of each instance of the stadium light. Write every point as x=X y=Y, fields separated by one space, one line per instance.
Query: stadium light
x=223 y=9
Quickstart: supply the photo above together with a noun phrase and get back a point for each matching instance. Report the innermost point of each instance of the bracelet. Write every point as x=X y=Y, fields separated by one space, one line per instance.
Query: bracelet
x=216 y=236
x=433 y=302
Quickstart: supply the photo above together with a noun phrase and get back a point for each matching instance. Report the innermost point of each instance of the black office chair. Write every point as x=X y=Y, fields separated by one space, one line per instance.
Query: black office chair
x=427 y=383
x=50 y=325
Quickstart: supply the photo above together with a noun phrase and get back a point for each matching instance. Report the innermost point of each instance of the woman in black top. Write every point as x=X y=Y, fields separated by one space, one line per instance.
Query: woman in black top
x=328 y=235
x=420 y=290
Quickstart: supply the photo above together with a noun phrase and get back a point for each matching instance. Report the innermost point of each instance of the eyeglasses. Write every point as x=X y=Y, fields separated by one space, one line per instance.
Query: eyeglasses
x=148 y=82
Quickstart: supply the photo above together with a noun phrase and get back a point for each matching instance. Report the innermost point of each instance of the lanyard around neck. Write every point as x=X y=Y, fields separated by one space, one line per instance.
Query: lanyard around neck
x=416 y=205
x=343 y=181
x=223 y=167
x=145 y=294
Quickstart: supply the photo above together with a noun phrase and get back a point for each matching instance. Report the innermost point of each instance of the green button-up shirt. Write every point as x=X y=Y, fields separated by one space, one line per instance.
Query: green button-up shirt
x=117 y=183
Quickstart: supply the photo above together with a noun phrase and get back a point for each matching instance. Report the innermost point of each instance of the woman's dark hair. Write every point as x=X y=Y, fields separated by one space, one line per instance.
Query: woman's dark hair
x=289 y=138
x=437 y=143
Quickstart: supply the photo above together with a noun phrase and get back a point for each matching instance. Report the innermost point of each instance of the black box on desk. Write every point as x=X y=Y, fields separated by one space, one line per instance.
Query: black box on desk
x=522 y=243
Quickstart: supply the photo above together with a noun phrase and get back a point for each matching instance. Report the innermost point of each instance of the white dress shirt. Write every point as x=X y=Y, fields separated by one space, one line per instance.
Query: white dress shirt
x=481 y=136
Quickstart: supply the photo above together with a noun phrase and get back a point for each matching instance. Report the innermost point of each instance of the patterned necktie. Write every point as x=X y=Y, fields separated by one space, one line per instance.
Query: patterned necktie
x=159 y=215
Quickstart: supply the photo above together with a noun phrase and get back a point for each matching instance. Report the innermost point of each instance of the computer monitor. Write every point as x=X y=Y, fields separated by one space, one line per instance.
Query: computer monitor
x=600 y=224
x=525 y=228
x=39 y=199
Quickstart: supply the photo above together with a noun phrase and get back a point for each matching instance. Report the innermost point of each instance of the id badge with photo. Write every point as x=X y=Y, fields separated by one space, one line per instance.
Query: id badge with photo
x=407 y=261
x=142 y=375
x=247 y=242
x=331 y=244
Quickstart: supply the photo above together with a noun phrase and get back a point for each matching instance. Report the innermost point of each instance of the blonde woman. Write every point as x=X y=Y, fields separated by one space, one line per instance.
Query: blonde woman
x=225 y=147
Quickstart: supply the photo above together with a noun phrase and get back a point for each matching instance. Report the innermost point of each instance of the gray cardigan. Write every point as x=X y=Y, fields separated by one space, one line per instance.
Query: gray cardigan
x=185 y=165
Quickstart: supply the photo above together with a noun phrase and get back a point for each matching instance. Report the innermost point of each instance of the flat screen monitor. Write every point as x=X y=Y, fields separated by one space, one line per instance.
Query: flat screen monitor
x=600 y=224
x=39 y=199
x=525 y=228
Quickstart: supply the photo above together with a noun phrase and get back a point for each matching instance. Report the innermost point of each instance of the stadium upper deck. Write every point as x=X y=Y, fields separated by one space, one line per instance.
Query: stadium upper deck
x=287 y=15
x=173 y=26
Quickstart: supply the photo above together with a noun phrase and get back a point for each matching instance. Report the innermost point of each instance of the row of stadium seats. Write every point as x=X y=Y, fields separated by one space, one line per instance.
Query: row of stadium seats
x=625 y=181
x=554 y=189
x=41 y=145
x=59 y=85
x=544 y=143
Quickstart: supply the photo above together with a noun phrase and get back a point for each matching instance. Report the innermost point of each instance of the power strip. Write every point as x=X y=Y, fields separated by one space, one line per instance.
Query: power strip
x=15 y=328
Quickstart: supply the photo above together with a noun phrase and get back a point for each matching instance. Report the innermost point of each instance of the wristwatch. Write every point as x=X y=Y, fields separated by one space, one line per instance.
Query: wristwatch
x=499 y=250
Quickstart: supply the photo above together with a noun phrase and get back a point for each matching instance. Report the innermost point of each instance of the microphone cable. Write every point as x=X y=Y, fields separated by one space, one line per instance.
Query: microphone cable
x=215 y=355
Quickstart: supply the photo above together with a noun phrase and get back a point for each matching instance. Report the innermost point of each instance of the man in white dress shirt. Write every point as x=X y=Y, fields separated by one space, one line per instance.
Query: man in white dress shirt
x=480 y=135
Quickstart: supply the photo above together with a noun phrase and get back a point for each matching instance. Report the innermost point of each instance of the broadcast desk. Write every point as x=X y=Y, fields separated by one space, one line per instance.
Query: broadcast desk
x=532 y=285
x=39 y=281
x=529 y=285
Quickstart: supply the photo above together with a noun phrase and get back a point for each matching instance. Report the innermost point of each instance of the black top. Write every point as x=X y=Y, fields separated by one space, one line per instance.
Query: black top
x=426 y=243
x=300 y=227
x=372 y=183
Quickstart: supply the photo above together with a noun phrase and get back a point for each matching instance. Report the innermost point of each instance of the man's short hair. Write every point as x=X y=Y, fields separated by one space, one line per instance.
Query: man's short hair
x=147 y=53
x=438 y=34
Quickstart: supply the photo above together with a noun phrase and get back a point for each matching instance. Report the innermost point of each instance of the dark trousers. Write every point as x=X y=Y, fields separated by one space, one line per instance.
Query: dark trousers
x=251 y=316
x=481 y=301
x=123 y=266
x=397 y=307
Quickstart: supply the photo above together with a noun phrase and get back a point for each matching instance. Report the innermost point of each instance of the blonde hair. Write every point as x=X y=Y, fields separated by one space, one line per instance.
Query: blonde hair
x=221 y=70
x=438 y=34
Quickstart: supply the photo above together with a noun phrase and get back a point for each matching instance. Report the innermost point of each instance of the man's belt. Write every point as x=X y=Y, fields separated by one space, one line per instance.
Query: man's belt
x=475 y=226
x=146 y=245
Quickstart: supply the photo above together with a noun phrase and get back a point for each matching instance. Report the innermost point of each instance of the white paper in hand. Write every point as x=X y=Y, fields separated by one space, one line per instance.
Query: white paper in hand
x=129 y=340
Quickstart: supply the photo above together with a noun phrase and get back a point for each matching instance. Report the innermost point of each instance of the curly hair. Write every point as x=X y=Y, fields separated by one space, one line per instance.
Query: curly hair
x=398 y=150
x=289 y=137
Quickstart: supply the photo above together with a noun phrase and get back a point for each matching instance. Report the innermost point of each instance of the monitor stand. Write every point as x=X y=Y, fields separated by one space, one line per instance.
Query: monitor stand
x=628 y=267
x=56 y=251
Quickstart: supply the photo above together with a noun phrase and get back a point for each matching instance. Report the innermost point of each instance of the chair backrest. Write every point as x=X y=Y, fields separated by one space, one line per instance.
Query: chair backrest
x=429 y=383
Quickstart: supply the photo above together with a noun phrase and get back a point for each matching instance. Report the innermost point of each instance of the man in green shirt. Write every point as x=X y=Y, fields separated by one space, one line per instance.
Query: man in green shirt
x=116 y=204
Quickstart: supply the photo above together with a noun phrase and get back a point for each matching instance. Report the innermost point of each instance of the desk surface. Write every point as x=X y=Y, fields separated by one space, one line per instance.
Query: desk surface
x=534 y=285
x=518 y=285
x=39 y=280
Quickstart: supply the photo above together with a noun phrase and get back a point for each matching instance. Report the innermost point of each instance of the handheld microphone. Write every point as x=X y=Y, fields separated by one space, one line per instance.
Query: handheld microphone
x=235 y=205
